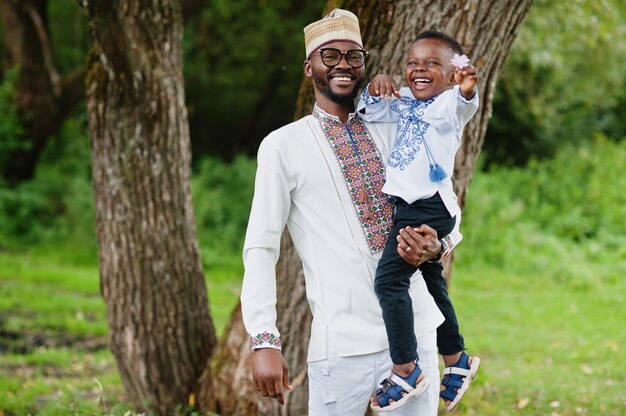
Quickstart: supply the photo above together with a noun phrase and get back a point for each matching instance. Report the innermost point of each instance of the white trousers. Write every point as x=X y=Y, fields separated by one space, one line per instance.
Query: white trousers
x=342 y=386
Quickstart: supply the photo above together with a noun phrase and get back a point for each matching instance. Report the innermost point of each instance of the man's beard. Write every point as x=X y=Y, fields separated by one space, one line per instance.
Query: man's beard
x=341 y=99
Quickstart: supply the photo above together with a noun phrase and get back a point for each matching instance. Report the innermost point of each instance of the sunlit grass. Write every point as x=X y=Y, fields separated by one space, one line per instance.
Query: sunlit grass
x=547 y=347
x=53 y=330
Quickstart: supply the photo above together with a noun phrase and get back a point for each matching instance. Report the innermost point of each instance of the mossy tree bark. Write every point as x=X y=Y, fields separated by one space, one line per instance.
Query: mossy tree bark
x=160 y=328
x=486 y=29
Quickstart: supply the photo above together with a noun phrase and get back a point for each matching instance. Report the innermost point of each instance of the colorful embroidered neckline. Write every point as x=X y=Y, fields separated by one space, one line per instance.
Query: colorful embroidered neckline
x=364 y=170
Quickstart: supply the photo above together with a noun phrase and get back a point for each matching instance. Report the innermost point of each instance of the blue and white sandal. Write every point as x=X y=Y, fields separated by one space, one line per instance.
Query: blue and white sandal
x=457 y=379
x=394 y=391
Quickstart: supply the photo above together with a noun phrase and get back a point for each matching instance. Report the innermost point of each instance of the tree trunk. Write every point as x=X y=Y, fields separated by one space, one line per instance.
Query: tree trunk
x=486 y=29
x=160 y=328
x=45 y=99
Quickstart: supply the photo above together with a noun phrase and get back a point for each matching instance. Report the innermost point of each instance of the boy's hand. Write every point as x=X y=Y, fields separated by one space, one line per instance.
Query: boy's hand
x=467 y=78
x=383 y=86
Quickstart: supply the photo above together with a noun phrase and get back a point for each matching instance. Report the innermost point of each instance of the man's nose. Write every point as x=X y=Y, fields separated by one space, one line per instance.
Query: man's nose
x=343 y=62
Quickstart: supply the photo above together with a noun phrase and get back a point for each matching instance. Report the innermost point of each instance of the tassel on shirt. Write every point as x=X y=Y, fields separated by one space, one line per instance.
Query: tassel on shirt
x=365 y=200
x=436 y=172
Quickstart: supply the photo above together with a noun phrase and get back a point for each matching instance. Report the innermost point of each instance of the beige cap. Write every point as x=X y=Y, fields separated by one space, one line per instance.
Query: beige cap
x=339 y=25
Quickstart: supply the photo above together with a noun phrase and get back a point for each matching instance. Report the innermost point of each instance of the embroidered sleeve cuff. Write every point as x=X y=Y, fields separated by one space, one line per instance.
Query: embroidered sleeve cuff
x=367 y=98
x=465 y=100
x=265 y=340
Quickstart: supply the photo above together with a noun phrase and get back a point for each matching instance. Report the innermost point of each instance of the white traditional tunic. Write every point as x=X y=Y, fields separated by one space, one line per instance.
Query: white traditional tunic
x=309 y=179
x=428 y=131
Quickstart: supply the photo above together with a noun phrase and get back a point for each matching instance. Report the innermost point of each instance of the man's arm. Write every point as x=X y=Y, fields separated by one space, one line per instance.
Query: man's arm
x=268 y=216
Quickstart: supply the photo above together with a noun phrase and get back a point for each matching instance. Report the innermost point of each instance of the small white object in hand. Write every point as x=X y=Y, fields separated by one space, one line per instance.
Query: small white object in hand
x=459 y=61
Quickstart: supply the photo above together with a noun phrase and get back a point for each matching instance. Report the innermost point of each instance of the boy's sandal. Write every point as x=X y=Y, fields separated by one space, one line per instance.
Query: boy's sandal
x=457 y=379
x=394 y=391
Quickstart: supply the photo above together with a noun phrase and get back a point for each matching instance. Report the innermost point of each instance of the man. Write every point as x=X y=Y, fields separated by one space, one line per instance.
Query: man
x=322 y=177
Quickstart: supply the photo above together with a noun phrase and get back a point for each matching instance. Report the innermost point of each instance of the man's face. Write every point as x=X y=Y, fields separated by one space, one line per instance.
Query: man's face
x=340 y=83
x=428 y=71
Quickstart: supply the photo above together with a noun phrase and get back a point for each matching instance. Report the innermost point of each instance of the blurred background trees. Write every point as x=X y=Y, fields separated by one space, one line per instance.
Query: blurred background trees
x=563 y=82
x=562 y=85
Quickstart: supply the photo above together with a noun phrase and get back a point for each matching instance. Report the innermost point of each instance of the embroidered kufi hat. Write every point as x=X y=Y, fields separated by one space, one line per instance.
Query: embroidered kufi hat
x=338 y=26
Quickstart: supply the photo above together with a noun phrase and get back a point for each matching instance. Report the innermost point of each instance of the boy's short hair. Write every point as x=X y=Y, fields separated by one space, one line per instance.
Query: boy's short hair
x=433 y=34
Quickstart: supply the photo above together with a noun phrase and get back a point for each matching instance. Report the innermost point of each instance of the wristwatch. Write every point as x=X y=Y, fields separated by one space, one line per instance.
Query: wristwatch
x=444 y=247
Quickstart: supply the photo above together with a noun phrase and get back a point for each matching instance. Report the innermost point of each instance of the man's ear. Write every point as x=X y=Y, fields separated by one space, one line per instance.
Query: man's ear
x=307 y=68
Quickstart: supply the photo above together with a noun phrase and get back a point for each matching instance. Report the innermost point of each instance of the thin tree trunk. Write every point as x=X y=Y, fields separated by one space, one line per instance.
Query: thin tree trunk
x=160 y=328
x=486 y=29
x=44 y=98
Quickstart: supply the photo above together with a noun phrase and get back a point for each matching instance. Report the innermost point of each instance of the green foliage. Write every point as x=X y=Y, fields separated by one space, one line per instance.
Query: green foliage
x=11 y=130
x=243 y=67
x=569 y=209
x=563 y=81
x=56 y=205
x=69 y=34
x=222 y=195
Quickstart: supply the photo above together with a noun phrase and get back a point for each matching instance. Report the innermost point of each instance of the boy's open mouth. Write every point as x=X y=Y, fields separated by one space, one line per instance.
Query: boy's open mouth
x=421 y=83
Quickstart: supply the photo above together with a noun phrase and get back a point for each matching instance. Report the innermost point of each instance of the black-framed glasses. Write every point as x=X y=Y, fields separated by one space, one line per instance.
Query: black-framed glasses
x=354 y=57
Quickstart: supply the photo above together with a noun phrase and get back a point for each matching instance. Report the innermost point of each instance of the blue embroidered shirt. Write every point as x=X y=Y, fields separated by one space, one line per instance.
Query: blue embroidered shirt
x=428 y=133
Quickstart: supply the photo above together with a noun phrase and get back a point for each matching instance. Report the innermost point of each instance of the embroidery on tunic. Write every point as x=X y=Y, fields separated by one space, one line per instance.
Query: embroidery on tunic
x=365 y=170
x=411 y=130
x=265 y=339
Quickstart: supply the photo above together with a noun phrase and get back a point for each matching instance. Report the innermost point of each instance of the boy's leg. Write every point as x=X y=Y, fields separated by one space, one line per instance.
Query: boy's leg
x=449 y=339
x=392 y=283
x=435 y=214
x=393 y=275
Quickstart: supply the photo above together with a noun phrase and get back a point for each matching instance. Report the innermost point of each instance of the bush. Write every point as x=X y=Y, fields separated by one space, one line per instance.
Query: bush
x=11 y=130
x=55 y=208
x=222 y=195
x=558 y=219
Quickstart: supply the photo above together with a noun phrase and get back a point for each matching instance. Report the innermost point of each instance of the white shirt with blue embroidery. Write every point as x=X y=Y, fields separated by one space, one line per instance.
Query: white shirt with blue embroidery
x=428 y=132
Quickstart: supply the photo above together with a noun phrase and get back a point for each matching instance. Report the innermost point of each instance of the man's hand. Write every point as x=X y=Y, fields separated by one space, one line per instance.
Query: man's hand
x=383 y=86
x=270 y=373
x=467 y=78
x=417 y=245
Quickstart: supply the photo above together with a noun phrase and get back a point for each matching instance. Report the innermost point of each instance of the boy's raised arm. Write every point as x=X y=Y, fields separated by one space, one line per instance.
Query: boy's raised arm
x=374 y=103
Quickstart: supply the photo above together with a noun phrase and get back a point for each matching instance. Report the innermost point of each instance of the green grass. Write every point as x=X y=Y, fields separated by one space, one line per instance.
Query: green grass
x=549 y=346
x=55 y=359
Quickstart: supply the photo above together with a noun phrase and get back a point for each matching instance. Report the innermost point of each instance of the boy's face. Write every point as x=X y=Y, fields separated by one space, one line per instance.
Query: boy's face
x=428 y=69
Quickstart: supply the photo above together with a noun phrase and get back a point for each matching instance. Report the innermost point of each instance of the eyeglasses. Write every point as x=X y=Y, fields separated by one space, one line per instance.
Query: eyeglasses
x=354 y=57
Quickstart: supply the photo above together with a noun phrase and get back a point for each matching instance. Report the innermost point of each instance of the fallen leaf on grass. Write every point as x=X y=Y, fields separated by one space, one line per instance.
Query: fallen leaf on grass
x=523 y=402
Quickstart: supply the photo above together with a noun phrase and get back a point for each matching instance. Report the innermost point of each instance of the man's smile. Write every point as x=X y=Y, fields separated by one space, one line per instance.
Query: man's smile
x=342 y=79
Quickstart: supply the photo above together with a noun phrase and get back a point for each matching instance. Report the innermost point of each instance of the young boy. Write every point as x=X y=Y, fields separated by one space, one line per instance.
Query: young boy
x=431 y=113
